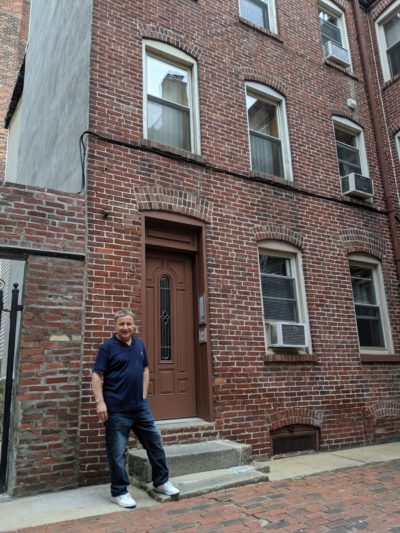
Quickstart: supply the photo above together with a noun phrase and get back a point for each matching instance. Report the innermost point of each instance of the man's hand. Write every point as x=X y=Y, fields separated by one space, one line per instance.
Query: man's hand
x=101 y=410
x=97 y=386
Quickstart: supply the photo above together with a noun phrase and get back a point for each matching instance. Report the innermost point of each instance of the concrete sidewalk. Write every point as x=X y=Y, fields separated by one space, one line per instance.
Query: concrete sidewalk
x=18 y=513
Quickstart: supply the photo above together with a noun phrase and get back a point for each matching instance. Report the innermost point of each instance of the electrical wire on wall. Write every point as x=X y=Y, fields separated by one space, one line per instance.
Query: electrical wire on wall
x=194 y=162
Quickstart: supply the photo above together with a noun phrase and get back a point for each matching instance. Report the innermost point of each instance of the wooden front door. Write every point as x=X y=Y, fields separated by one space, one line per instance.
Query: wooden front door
x=170 y=334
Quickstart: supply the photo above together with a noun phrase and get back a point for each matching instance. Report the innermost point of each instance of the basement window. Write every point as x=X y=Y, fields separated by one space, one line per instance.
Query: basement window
x=295 y=438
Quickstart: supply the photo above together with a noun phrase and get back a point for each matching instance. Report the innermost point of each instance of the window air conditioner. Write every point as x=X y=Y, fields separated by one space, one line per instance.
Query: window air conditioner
x=356 y=185
x=336 y=54
x=286 y=334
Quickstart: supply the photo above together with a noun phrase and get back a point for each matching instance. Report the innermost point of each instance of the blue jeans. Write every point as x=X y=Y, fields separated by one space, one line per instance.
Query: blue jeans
x=118 y=427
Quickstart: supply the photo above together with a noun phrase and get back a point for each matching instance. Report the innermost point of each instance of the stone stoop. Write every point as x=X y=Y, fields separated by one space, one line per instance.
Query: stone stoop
x=200 y=468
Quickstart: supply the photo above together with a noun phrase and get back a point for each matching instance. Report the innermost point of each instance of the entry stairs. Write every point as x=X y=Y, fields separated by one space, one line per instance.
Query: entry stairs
x=200 y=468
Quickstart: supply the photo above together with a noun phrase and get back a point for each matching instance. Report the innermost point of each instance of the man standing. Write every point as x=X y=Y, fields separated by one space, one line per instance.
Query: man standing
x=120 y=381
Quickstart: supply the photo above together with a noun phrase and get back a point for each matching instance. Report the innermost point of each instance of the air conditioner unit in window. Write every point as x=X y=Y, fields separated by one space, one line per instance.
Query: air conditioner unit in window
x=337 y=54
x=287 y=334
x=356 y=185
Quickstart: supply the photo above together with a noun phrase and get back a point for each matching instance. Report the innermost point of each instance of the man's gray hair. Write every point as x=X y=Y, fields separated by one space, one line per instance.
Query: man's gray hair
x=123 y=312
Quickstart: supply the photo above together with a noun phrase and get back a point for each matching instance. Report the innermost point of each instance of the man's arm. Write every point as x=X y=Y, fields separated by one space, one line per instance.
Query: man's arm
x=97 y=387
x=146 y=381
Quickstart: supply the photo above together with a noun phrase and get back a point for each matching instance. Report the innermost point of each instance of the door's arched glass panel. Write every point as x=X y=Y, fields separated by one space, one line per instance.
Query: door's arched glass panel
x=165 y=318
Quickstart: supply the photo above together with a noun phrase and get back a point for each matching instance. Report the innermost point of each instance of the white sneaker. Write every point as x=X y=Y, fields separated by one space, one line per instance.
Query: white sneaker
x=167 y=488
x=124 y=500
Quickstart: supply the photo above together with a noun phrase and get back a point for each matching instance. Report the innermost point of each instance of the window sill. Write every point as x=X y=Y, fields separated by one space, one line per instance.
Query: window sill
x=289 y=357
x=264 y=175
x=165 y=149
x=379 y=358
x=261 y=29
x=341 y=69
x=391 y=82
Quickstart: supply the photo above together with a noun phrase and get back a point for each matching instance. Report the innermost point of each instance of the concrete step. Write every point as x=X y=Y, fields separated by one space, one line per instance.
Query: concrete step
x=209 y=481
x=185 y=459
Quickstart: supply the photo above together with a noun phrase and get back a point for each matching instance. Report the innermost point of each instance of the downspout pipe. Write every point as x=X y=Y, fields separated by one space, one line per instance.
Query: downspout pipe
x=391 y=213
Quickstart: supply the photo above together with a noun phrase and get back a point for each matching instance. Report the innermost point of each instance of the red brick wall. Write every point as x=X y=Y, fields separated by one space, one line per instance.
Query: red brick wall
x=33 y=218
x=252 y=395
x=388 y=95
x=48 y=388
x=48 y=229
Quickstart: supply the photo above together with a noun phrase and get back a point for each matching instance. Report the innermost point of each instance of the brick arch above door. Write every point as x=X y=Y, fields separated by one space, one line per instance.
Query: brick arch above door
x=174 y=201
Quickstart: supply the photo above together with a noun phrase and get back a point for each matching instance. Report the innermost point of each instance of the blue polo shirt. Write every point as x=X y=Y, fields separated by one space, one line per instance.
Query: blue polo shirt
x=122 y=367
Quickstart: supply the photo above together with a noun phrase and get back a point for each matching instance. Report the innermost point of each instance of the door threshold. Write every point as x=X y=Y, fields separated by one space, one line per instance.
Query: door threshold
x=194 y=421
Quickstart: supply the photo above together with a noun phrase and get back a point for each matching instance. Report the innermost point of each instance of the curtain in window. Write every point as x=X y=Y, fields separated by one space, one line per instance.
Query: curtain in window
x=330 y=30
x=392 y=33
x=349 y=159
x=255 y=11
x=265 y=144
x=168 y=125
x=278 y=289
x=266 y=154
x=367 y=311
x=168 y=103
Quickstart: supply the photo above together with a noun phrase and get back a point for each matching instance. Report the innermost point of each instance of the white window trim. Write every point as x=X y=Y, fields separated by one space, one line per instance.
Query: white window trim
x=163 y=50
x=282 y=249
x=352 y=127
x=333 y=9
x=266 y=92
x=271 y=13
x=380 y=35
x=397 y=141
x=365 y=260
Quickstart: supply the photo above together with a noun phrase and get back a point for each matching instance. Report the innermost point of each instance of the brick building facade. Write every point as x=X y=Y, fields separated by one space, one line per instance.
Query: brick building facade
x=213 y=207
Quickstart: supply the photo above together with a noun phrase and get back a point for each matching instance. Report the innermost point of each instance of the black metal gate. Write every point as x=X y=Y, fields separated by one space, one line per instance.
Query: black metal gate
x=13 y=314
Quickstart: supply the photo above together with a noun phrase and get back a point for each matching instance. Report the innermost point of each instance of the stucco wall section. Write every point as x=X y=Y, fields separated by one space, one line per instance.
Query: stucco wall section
x=55 y=97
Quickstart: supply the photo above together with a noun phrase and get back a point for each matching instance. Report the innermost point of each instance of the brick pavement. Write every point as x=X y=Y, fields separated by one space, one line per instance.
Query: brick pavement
x=364 y=499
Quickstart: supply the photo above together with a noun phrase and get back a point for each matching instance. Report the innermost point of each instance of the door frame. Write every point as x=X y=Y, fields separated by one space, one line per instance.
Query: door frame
x=196 y=247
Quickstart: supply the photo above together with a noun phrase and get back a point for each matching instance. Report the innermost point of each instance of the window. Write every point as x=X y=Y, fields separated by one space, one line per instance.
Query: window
x=369 y=304
x=260 y=13
x=170 y=97
x=388 y=33
x=333 y=33
x=282 y=286
x=350 y=147
x=397 y=140
x=268 y=135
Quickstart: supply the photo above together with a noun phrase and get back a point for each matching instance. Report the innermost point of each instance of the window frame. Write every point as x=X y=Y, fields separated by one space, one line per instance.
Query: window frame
x=271 y=15
x=381 y=39
x=332 y=9
x=397 y=142
x=269 y=95
x=288 y=251
x=166 y=52
x=379 y=287
x=351 y=127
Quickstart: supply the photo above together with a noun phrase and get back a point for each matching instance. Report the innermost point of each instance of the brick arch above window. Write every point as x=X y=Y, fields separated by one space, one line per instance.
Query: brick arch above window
x=382 y=409
x=253 y=74
x=171 y=37
x=353 y=117
x=394 y=128
x=278 y=233
x=173 y=201
x=342 y=4
x=360 y=241
x=380 y=8
x=288 y=417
